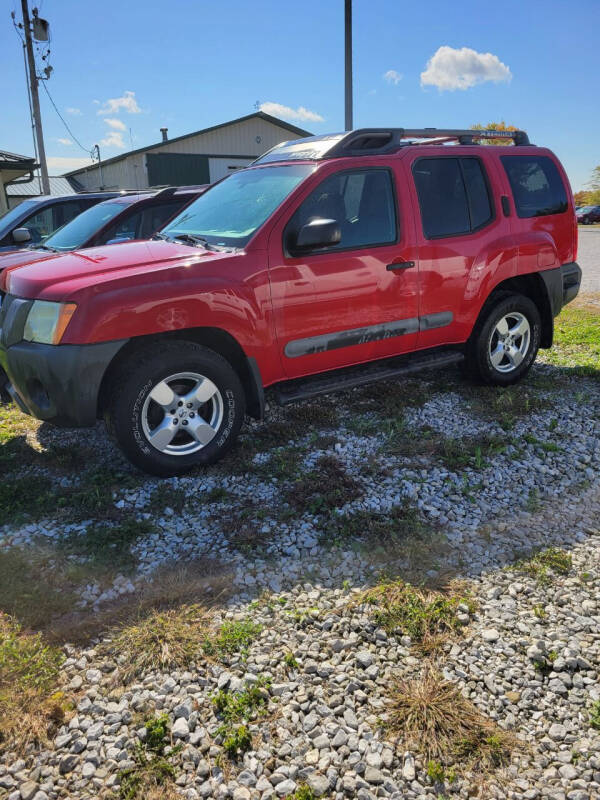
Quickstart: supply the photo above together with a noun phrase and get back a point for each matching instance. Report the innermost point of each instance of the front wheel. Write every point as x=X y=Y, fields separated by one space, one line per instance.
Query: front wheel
x=505 y=341
x=176 y=406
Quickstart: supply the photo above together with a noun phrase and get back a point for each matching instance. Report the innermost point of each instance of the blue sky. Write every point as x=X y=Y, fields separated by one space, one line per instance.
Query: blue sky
x=188 y=64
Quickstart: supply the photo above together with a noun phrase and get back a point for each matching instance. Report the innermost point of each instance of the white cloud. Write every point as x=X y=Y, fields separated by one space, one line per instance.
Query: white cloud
x=116 y=124
x=113 y=139
x=126 y=102
x=65 y=141
x=300 y=114
x=67 y=163
x=451 y=69
x=75 y=112
x=391 y=76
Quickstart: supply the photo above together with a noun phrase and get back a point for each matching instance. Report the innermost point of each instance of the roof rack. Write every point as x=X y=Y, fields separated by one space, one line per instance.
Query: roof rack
x=376 y=141
x=388 y=140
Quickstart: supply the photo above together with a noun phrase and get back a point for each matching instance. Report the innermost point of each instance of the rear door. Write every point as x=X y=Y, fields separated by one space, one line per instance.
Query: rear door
x=334 y=307
x=458 y=234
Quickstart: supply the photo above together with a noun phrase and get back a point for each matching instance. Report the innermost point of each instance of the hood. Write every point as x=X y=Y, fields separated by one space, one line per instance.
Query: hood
x=61 y=275
x=18 y=258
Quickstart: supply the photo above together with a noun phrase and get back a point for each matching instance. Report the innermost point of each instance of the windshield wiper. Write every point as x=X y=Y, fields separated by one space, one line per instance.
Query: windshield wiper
x=193 y=239
x=162 y=236
x=43 y=247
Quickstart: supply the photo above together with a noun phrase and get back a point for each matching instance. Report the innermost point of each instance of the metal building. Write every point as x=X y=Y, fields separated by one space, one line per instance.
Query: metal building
x=201 y=157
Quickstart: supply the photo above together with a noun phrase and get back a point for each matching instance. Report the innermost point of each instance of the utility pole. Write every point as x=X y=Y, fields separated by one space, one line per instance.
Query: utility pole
x=35 y=100
x=348 y=62
x=96 y=149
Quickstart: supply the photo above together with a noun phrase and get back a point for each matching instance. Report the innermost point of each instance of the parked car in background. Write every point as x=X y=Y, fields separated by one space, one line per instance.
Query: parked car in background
x=32 y=221
x=331 y=262
x=588 y=215
x=129 y=216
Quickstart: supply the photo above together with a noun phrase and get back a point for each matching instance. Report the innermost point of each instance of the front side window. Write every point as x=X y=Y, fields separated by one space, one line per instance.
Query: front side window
x=77 y=232
x=40 y=225
x=231 y=212
x=361 y=201
x=537 y=187
x=453 y=196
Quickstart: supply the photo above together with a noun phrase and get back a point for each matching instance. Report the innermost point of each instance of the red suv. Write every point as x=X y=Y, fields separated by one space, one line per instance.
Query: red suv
x=330 y=262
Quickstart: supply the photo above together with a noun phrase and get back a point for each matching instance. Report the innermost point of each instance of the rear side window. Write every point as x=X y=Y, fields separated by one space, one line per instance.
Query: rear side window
x=536 y=185
x=453 y=196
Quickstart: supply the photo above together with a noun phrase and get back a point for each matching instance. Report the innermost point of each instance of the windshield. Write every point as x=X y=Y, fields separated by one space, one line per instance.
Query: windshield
x=586 y=208
x=76 y=232
x=232 y=211
x=7 y=220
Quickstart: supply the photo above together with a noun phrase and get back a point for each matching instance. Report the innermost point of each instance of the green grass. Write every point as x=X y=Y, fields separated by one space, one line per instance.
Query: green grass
x=236 y=710
x=29 y=676
x=595 y=715
x=106 y=548
x=576 y=341
x=232 y=637
x=546 y=564
x=153 y=775
x=426 y=616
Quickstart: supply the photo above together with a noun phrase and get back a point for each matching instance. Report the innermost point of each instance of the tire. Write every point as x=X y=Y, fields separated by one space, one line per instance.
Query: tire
x=175 y=406
x=505 y=340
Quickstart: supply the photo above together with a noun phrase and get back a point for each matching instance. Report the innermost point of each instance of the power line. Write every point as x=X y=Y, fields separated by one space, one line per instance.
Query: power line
x=70 y=132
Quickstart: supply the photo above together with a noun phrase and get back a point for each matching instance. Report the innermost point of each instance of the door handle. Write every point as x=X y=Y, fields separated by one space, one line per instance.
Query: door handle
x=400 y=265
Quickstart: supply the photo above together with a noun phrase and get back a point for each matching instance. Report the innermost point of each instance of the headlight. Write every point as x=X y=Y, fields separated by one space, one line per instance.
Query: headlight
x=46 y=321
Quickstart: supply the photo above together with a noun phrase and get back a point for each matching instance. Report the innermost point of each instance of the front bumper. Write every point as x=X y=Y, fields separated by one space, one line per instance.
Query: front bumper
x=55 y=383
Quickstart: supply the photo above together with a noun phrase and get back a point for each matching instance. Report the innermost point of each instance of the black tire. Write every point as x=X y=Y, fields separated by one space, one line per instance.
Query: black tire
x=484 y=339
x=130 y=407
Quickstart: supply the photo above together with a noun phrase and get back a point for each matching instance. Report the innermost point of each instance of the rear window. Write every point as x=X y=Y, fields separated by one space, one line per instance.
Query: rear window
x=536 y=185
x=453 y=196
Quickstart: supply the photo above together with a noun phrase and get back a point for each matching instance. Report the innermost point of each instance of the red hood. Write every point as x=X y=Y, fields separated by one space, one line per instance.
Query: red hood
x=18 y=258
x=61 y=275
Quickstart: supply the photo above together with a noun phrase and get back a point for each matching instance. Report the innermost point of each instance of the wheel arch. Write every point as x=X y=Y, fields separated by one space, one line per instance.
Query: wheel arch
x=216 y=339
x=532 y=286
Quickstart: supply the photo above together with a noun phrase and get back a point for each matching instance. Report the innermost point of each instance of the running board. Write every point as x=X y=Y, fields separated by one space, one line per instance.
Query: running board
x=350 y=377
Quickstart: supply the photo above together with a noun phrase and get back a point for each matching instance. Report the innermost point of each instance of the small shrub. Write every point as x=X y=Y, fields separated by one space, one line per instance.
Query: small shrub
x=290 y=660
x=435 y=772
x=304 y=792
x=238 y=741
x=239 y=707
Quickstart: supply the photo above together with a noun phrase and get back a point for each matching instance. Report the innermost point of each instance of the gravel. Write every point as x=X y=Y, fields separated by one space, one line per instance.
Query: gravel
x=529 y=656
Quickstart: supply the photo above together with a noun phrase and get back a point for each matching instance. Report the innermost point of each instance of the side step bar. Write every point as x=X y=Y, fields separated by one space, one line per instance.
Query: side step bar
x=349 y=377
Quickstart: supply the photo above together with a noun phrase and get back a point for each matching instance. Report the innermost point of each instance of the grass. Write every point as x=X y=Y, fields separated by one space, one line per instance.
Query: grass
x=236 y=710
x=106 y=548
x=29 y=697
x=455 y=454
x=153 y=776
x=161 y=640
x=546 y=564
x=595 y=715
x=232 y=637
x=303 y=792
x=430 y=715
x=374 y=529
x=577 y=341
x=326 y=487
x=428 y=617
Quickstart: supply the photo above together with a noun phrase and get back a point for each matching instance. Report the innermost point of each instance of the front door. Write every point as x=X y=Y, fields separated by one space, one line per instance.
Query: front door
x=350 y=302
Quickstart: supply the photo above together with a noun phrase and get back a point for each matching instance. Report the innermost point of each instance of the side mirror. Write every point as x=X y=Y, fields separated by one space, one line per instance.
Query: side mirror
x=21 y=235
x=318 y=233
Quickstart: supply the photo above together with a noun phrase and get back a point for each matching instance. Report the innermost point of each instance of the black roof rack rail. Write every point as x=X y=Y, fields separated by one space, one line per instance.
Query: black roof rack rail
x=388 y=140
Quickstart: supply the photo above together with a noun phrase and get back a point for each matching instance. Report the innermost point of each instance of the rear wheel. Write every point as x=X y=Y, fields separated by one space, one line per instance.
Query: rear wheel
x=177 y=406
x=505 y=341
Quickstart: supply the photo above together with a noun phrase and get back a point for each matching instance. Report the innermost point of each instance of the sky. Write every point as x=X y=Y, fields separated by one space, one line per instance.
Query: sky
x=122 y=70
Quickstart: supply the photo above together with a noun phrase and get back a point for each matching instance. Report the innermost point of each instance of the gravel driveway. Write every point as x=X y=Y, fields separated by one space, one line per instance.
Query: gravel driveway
x=588 y=257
